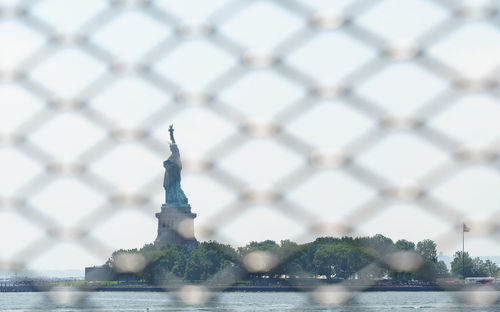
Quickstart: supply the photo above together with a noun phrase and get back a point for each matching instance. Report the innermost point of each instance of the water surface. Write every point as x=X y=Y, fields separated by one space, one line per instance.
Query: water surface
x=243 y=301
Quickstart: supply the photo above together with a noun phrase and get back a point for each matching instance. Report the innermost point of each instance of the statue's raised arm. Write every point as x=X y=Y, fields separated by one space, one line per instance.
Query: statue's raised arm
x=172 y=180
x=171 y=130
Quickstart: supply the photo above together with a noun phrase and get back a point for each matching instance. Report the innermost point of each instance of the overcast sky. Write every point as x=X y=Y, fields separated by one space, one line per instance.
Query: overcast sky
x=105 y=136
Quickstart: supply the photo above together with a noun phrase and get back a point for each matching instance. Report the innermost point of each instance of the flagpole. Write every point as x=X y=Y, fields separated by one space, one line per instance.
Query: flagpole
x=463 y=250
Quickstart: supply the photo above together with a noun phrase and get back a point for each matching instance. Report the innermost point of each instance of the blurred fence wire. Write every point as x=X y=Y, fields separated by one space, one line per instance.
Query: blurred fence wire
x=400 y=97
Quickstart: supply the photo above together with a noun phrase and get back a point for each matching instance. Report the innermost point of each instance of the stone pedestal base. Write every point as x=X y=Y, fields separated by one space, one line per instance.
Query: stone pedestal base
x=175 y=225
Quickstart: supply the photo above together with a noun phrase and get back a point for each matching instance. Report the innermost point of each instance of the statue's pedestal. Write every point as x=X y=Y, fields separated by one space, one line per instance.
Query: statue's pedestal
x=175 y=225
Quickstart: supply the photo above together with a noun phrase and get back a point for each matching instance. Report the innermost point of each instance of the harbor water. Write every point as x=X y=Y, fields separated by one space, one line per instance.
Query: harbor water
x=250 y=301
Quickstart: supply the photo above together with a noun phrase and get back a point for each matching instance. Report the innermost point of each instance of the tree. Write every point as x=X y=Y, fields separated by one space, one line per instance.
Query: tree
x=472 y=267
x=171 y=263
x=381 y=244
x=341 y=259
x=426 y=272
x=482 y=268
x=429 y=271
x=407 y=246
x=344 y=260
x=324 y=260
x=345 y=257
x=491 y=268
x=289 y=255
x=207 y=259
x=478 y=268
x=427 y=249
x=267 y=245
x=441 y=270
x=404 y=245
x=458 y=269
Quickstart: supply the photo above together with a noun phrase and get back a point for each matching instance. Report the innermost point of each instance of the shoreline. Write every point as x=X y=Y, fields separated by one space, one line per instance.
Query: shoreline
x=423 y=288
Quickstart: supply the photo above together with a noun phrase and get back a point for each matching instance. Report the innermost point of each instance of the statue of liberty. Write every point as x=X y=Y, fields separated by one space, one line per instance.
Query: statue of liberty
x=174 y=196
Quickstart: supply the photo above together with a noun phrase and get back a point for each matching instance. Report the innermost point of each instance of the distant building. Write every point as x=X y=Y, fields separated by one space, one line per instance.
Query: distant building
x=99 y=274
x=446 y=259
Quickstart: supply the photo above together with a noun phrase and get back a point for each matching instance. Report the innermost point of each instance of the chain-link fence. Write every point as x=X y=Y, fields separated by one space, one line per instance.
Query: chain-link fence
x=304 y=118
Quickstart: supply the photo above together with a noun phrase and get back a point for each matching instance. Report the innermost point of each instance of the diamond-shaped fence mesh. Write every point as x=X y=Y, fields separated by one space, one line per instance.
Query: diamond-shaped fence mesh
x=295 y=119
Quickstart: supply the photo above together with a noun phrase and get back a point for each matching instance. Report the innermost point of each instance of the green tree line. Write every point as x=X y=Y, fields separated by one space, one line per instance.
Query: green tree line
x=473 y=267
x=330 y=258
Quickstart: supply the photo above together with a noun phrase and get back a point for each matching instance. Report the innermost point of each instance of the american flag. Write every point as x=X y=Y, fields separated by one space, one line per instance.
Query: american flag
x=466 y=228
